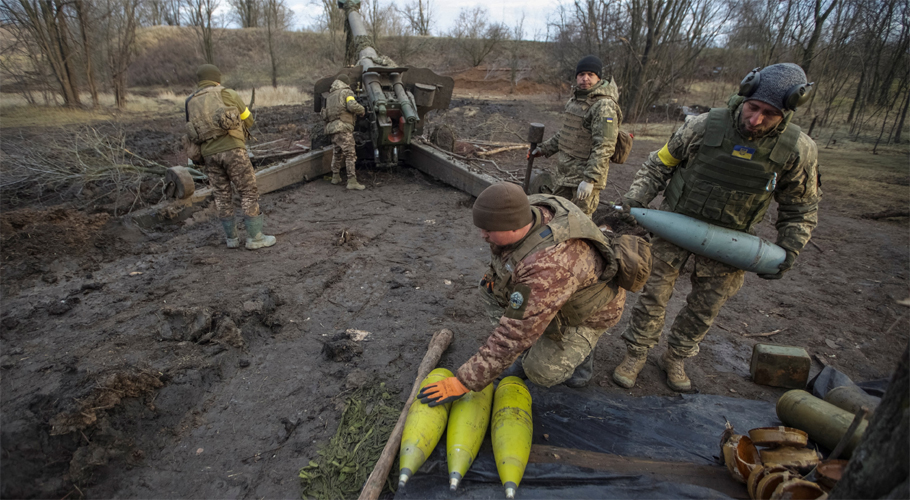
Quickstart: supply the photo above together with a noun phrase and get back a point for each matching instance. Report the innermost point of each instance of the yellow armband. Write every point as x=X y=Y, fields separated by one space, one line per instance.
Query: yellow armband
x=666 y=158
x=246 y=114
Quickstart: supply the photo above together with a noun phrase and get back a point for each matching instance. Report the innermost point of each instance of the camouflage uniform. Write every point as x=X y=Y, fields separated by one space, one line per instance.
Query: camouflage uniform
x=341 y=107
x=226 y=162
x=794 y=185
x=586 y=142
x=548 y=283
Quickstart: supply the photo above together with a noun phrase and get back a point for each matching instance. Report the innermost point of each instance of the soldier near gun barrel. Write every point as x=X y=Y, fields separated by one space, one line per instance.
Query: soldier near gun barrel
x=587 y=138
x=554 y=286
x=216 y=120
x=722 y=167
x=341 y=107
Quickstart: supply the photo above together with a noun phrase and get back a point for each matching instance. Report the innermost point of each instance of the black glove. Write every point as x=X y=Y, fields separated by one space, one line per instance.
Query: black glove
x=782 y=268
x=633 y=203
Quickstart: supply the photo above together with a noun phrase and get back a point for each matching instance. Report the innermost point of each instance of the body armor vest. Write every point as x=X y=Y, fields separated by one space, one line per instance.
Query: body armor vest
x=731 y=180
x=336 y=110
x=209 y=118
x=574 y=139
x=568 y=222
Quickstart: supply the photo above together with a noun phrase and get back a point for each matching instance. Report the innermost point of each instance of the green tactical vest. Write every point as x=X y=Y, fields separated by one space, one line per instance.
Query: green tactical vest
x=574 y=139
x=209 y=118
x=568 y=222
x=336 y=110
x=731 y=180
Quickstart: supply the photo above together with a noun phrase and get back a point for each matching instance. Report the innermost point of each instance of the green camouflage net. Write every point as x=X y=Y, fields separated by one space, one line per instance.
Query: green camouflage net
x=346 y=462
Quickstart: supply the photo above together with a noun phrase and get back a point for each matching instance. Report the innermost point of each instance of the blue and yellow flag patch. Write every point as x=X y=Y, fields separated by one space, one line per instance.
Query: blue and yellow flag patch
x=743 y=152
x=609 y=120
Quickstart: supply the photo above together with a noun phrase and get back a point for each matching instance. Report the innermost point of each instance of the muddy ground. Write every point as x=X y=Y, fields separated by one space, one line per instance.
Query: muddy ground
x=155 y=362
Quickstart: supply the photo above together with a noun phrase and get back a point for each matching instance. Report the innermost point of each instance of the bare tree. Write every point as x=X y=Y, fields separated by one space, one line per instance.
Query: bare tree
x=278 y=18
x=46 y=22
x=201 y=15
x=87 y=48
x=119 y=28
x=248 y=13
x=420 y=14
x=515 y=50
x=331 y=19
x=820 y=10
x=475 y=37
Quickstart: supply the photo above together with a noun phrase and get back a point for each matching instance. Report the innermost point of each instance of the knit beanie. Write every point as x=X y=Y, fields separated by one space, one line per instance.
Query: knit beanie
x=502 y=207
x=775 y=82
x=208 y=72
x=343 y=78
x=592 y=64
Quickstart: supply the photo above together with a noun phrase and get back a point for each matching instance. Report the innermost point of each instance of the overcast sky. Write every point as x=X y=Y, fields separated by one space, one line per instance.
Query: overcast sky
x=446 y=11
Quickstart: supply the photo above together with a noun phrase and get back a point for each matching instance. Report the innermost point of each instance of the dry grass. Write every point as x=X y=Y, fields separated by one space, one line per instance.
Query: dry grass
x=16 y=112
x=283 y=95
x=872 y=183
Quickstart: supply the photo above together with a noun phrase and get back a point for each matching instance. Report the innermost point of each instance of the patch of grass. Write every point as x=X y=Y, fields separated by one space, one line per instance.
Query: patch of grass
x=868 y=183
x=283 y=95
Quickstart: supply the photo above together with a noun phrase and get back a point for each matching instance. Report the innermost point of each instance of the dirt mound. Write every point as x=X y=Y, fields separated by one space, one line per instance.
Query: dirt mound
x=493 y=80
x=52 y=231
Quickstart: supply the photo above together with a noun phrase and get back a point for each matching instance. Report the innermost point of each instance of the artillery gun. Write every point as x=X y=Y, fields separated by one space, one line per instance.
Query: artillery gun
x=396 y=98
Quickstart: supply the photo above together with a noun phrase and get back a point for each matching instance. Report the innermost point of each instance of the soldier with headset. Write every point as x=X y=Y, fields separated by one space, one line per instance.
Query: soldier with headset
x=723 y=167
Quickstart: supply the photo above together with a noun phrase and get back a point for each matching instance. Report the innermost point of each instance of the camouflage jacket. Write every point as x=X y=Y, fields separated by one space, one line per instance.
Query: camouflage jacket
x=601 y=120
x=551 y=276
x=341 y=106
x=227 y=142
x=797 y=192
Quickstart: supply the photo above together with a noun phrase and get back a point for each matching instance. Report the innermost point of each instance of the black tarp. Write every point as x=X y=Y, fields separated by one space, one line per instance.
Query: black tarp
x=684 y=428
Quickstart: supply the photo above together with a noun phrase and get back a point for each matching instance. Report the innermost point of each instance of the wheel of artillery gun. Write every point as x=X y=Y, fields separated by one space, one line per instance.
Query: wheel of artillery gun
x=178 y=183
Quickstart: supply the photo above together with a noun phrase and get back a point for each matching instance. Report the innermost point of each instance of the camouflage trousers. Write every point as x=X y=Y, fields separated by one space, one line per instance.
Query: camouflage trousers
x=344 y=153
x=233 y=166
x=712 y=284
x=587 y=206
x=550 y=362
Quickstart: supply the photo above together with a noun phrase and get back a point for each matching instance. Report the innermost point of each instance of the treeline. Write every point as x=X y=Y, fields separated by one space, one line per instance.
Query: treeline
x=856 y=51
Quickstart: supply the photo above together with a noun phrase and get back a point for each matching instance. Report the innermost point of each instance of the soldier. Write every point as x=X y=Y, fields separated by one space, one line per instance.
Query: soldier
x=722 y=167
x=341 y=106
x=552 y=289
x=587 y=138
x=217 y=120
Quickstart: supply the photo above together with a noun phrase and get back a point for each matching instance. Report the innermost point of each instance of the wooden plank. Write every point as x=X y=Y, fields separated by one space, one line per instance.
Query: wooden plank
x=715 y=477
x=447 y=169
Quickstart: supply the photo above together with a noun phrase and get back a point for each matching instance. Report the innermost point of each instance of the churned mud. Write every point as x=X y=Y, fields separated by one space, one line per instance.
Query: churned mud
x=155 y=362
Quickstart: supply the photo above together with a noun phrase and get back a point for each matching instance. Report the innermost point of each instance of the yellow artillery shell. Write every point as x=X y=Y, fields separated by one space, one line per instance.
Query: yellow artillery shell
x=512 y=432
x=422 y=429
x=468 y=422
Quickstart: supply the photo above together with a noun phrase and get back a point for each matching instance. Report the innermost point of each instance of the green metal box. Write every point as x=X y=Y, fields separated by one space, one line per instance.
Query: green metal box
x=780 y=366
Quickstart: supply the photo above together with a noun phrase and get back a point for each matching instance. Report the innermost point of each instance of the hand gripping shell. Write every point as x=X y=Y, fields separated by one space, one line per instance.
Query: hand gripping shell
x=468 y=422
x=512 y=431
x=422 y=429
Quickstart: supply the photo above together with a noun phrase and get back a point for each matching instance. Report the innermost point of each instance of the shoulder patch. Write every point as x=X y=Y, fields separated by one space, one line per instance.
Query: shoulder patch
x=518 y=302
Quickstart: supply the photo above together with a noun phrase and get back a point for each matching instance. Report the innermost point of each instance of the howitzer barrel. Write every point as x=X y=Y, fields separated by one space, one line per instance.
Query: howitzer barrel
x=736 y=248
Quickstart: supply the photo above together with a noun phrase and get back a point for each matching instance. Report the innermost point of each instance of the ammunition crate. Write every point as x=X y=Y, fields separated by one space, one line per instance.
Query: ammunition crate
x=780 y=366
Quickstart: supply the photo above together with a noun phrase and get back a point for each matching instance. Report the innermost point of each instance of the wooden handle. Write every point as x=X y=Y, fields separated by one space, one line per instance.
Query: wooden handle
x=373 y=487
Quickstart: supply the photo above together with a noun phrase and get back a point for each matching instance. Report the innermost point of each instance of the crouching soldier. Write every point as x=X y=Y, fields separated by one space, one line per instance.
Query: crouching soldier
x=554 y=286
x=217 y=120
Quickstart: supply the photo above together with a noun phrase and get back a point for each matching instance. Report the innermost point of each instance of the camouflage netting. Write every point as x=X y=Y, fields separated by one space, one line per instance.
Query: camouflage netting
x=346 y=462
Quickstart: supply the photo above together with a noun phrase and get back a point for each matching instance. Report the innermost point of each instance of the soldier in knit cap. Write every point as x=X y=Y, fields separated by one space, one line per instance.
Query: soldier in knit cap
x=340 y=109
x=217 y=120
x=587 y=138
x=552 y=290
x=723 y=167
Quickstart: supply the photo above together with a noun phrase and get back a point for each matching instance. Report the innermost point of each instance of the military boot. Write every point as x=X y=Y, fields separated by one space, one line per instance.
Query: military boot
x=336 y=178
x=627 y=372
x=353 y=184
x=256 y=239
x=230 y=232
x=676 y=373
x=583 y=373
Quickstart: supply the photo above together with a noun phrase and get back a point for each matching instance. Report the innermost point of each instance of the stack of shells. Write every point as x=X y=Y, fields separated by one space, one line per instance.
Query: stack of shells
x=782 y=468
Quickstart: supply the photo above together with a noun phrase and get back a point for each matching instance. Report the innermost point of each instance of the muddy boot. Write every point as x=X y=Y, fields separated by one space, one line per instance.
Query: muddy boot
x=254 y=229
x=336 y=178
x=515 y=370
x=353 y=184
x=230 y=232
x=627 y=372
x=676 y=373
x=583 y=373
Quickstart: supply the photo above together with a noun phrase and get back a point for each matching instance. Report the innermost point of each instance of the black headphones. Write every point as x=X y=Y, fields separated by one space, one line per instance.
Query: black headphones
x=797 y=95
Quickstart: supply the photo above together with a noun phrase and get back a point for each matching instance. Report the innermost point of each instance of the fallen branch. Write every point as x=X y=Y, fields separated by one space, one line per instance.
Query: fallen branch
x=501 y=150
x=766 y=334
x=493 y=143
x=895 y=212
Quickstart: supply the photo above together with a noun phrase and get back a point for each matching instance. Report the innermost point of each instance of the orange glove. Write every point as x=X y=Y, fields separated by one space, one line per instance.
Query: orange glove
x=443 y=392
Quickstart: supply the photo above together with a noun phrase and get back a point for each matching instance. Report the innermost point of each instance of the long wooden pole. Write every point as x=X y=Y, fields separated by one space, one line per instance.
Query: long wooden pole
x=373 y=487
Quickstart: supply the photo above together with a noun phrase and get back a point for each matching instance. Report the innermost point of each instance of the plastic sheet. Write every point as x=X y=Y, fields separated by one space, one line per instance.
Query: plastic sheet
x=685 y=428
x=831 y=378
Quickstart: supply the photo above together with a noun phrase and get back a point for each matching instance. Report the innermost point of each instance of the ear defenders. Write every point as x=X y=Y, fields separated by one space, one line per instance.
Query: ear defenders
x=796 y=96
